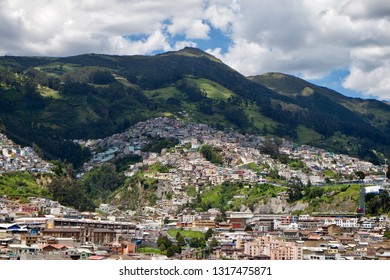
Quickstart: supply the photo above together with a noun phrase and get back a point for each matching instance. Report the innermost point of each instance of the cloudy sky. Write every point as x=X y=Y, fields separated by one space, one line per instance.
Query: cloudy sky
x=342 y=44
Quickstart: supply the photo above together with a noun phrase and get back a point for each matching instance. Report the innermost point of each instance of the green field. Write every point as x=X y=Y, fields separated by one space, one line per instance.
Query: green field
x=161 y=93
x=213 y=89
x=306 y=135
x=185 y=233
x=149 y=250
x=48 y=92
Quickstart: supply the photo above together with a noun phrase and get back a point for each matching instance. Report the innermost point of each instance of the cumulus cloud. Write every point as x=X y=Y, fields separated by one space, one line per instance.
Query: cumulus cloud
x=372 y=83
x=302 y=37
x=313 y=38
x=191 y=28
x=68 y=27
x=367 y=9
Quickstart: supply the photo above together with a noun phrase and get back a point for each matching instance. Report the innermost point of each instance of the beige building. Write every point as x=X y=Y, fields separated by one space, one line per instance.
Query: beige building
x=274 y=247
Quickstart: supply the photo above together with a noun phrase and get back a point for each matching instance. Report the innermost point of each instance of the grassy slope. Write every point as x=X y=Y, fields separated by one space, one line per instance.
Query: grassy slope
x=213 y=89
x=185 y=233
x=336 y=199
x=19 y=184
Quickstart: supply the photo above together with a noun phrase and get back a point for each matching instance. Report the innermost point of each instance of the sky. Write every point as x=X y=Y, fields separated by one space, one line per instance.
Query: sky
x=340 y=44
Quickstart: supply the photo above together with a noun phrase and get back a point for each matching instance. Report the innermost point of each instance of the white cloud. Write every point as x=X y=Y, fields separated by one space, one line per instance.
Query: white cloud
x=372 y=83
x=367 y=9
x=68 y=27
x=301 y=37
x=221 y=14
x=313 y=38
x=189 y=27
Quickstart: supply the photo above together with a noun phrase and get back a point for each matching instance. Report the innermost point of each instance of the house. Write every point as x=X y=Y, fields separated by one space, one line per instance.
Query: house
x=361 y=235
x=383 y=256
x=237 y=223
x=313 y=240
x=123 y=248
x=346 y=240
x=10 y=240
x=331 y=229
x=18 y=249
x=53 y=247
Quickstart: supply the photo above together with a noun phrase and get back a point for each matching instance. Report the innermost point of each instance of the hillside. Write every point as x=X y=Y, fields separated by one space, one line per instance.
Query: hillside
x=345 y=117
x=49 y=101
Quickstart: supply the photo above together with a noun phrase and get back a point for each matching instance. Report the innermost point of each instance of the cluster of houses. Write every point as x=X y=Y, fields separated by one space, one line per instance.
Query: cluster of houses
x=26 y=232
x=238 y=151
x=44 y=229
x=319 y=160
x=16 y=158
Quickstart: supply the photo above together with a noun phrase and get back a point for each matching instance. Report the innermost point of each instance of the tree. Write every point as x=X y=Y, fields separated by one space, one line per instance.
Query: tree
x=213 y=243
x=68 y=192
x=388 y=172
x=101 y=78
x=219 y=219
x=387 y=233
x=103 y=180
x=360 y=174
x=171 y=251
x=196 y=242
x=181 y=241
x=269 y=147
x=295 y=189
x=208 y=234
x=248 y=228
x=211 y=154
x=166 y=220
x=163 y=243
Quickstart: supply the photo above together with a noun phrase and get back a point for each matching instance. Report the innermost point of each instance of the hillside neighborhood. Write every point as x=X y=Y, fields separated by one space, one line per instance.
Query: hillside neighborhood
x=40 y=228
x=237 y=150
x=16 y=158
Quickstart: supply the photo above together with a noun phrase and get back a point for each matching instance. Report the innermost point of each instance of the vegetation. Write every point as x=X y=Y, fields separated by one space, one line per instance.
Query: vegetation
x=48 y=101
x=387 y=234
x=123 y=163
x=232 y=195
x=185 y=233
x=101 y=181
x=164 y=244
x=158 y=144
x=196 y=242
x=332 y=198
x=149 y=250
x=19 y=185
x=68 y=192
x=377 y=204
x=211 y=154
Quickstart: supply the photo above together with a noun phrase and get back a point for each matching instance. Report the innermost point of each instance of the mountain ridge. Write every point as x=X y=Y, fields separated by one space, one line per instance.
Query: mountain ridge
x=49 y=100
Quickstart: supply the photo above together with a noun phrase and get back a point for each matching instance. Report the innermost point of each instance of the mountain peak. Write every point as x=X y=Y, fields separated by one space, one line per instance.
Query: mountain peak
x=195 y=52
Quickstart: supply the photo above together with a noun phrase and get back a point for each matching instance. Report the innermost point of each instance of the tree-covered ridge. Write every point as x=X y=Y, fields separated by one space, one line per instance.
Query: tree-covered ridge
x=49 y=101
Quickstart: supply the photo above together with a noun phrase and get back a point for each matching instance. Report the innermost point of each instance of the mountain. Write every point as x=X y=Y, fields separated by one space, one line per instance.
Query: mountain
x=49 y=101
x=364 y=123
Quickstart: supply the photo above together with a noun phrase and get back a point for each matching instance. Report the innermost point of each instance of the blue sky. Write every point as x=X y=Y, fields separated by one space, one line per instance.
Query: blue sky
x=335 y=80
x=340 y=44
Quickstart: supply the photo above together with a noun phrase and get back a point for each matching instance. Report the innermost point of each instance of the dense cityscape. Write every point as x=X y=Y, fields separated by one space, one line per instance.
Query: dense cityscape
x=40 y=228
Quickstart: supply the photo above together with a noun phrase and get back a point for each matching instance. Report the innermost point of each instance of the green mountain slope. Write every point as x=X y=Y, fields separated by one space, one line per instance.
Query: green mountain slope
x=49 y=101
x=350 y=125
